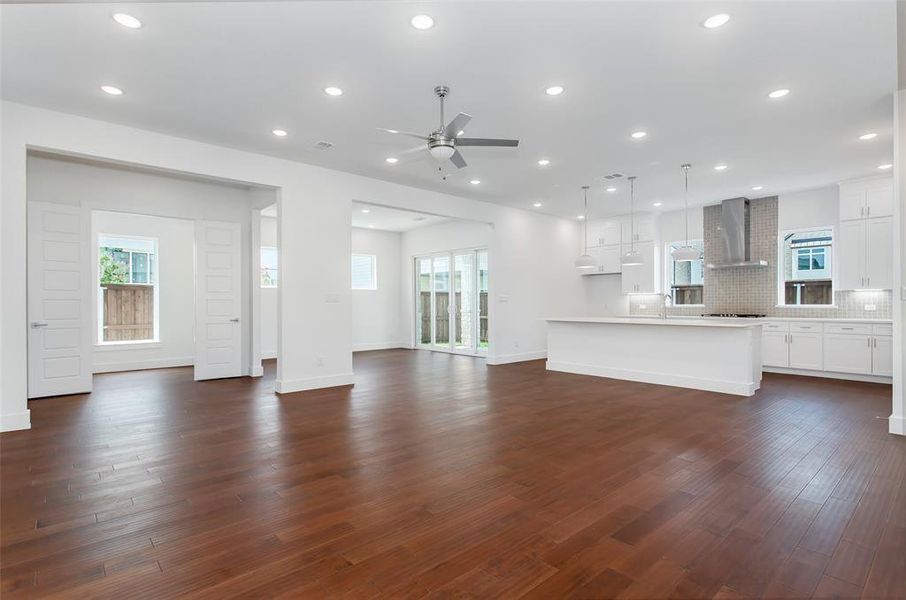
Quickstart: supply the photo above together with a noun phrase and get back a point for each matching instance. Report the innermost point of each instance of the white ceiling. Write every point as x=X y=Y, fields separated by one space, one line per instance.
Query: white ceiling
x=229 y=73
x=390 y=219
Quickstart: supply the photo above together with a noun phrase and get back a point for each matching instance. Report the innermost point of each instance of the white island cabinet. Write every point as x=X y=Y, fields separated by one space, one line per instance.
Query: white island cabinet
x=701 y=354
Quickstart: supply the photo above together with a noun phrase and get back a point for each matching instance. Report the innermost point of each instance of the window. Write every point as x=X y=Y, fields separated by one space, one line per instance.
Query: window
x=364 y=272
x=685 y=279
x=127 y=289
x=807 y=274
x=269 y=275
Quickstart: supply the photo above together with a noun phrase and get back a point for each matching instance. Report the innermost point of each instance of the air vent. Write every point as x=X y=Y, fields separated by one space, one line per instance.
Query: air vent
x=419 y=218
x=322 y=145
x=613 y=176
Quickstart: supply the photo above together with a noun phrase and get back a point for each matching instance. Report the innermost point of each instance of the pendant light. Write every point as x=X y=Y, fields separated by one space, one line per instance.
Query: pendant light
x=585 y=261
x=632 y=257
x=686 y=252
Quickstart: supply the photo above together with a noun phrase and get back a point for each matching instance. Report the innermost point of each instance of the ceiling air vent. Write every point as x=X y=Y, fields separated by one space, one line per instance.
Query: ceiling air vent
x=613 y=176
x=322 y=145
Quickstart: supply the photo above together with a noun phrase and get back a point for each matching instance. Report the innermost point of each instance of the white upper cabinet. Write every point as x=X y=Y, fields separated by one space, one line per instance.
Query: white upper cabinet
x=866 y=198
x=607 y=259
x=850 y=255
x=641 y=279
x=865 y=254
x=879 y=253
x=604 y=232
x=641 y=230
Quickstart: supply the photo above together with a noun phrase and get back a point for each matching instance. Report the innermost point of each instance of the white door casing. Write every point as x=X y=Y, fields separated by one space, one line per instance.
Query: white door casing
x=58 y=288
x=218 y=300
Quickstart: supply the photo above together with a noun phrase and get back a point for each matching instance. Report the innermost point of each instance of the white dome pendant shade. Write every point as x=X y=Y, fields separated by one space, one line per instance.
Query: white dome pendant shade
x=686 y=253
x=631 y=258
x=586 y=261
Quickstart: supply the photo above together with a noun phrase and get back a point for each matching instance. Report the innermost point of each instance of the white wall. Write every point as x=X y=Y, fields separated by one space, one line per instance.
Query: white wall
x=268 y=295
x=376 y=313
x=176 y=293
x=809 y=208
x=531 y=255
x=97 y=187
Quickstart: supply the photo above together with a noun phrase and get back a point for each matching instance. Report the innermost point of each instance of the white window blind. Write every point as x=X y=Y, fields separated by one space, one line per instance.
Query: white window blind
x=364 y=275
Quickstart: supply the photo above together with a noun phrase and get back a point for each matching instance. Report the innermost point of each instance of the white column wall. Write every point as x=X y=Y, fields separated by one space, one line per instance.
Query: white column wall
x=531 y=254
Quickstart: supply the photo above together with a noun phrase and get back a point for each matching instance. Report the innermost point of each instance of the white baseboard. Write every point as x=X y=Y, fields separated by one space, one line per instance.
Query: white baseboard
x=288 y=386
x=15 y=421
x=379 y=346
x=696 y=383
x=505 y=359
x=256 y=371
x=138 y=365
x=830 y=375
x=268 y=355
x=896 y=425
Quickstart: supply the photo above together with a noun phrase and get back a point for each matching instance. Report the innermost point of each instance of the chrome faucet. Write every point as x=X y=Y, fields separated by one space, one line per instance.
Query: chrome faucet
x=668 y=301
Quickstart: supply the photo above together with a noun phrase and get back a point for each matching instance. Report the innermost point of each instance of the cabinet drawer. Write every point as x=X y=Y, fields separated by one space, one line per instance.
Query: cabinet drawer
x=806 y=327
x=775 y=326
x=853 y=328
x=882 y=329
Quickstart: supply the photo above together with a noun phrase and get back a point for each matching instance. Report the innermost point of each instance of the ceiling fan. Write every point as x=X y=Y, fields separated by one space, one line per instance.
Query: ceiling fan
x=443 y=142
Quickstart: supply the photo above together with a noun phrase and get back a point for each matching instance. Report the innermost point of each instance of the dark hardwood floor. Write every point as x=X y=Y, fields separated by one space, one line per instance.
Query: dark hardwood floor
x=439 y=477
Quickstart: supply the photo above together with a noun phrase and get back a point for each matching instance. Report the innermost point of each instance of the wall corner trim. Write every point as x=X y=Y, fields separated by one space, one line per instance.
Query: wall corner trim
x=288 y=386
x=15 y=421
x=896 y=425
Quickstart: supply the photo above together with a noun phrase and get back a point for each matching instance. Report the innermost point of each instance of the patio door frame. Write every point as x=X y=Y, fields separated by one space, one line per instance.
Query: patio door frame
x=453 y=312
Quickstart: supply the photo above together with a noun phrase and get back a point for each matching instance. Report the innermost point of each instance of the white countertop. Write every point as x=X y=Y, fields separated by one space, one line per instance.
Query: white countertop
x=669 y=322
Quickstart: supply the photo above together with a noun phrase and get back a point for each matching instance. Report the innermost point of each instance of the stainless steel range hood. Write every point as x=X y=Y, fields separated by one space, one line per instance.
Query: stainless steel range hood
x=734 y=233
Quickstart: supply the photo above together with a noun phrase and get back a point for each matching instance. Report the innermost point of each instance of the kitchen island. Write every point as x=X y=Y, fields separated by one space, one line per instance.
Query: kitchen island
x=713 y=355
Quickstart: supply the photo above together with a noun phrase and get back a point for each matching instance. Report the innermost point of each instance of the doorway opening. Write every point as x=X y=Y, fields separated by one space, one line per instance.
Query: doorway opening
x=451 y=300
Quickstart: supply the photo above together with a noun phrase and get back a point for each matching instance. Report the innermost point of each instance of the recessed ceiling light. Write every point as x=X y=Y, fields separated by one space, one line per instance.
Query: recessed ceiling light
x=365 y=211
x=715 y=21
x=720 y=168
x=656 y=204
x=637 y=135
x=778 y=93
x=554 y=90
x=475 y=181
x=757 y=188
x=580 y=217
x=371 y=226
x=127 y=20
x=611 y=189
x=112 y=90
x=537 y=205
x=392 y=160
x=885 y=166
x=279 y=133
x=868 y=136
x=333 y=91
x=544 y=162
x=422 y=22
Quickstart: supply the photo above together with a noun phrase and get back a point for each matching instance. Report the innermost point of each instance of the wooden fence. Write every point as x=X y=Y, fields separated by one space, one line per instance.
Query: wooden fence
x=128 y=312
x=442 y=323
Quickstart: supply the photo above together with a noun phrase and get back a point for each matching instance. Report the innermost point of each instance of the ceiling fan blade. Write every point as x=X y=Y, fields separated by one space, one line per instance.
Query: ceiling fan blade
x=405 y=155
x=458 y=123
x=458 y=160
x=486 y=142
x=406 y=133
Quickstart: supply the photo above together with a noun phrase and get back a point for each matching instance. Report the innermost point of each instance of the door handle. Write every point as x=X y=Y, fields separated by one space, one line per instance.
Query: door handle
x=37 y=324
x=869 y=342
x=234 y=320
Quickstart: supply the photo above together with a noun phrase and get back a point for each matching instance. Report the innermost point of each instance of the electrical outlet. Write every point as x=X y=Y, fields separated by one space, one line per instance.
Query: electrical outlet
x=870 y=307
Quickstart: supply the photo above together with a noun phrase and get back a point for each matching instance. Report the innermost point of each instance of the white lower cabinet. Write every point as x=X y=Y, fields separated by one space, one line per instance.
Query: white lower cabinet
x=806 y=351
x=882 y=356
x=774 y=349
x=856 y=348
x=847 y=353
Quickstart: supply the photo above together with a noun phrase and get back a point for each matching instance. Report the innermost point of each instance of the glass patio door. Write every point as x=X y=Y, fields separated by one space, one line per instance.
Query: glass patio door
x=451 y=301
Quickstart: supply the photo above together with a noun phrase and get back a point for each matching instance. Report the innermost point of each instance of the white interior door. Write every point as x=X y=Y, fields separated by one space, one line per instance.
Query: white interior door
x=218 y=300
x=58 y=281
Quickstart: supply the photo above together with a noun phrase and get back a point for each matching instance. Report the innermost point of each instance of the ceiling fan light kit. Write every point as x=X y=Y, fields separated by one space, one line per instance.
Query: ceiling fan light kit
x=442 y=143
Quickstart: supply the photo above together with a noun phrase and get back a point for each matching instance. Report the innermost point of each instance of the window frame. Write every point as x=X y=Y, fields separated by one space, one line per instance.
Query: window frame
x=668 y=262
x=154 y=275
x=262 y=268
x=781 y=266
x=374 y=275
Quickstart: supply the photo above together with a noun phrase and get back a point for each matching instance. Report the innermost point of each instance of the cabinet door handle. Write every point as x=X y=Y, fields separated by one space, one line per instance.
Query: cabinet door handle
x=875 y=344
x=868 y=211
x=869 y=342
